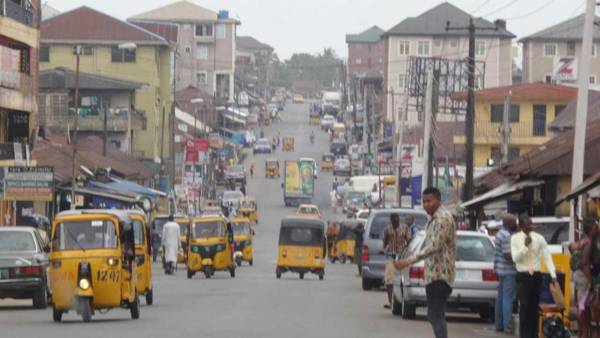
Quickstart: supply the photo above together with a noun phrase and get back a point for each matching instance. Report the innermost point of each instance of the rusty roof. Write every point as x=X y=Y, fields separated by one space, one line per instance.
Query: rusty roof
x=553 y=158
x=541 y=92
x=85 y=24
x=566 y=119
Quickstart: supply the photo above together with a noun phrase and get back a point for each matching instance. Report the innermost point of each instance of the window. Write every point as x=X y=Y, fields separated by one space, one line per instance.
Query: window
x=202 y=52
x=454 y=43
x=201 y=79
x=44 y=53
x=403 y=81
x=123 y=55
x=404 y=48
x=221 y=31
x=592 y=79
x=497 y=111
x=204 y=30
x=188 y=50
x=369 y=62
x=496 y=153
x=359 y=46
x=558 y=109
x=539 y=120
x=571 y=48
x=480 y=48
x=479 y=82
x=87 y=50
x=17 y=241
x=593 y=50
x=548 y=79
x=550 y=49
x=423 y=48
x=77 y=235
x=358 y=61
x=370 y=47
x=437 y=43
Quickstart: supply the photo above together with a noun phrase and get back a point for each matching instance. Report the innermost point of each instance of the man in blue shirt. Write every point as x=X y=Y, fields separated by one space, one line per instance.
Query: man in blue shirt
x=506 y=272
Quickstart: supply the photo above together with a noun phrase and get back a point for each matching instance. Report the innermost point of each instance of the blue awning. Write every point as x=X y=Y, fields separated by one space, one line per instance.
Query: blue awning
x=128 y=186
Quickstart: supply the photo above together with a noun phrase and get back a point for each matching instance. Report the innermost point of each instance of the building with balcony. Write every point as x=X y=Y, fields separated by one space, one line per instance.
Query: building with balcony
x=533 y=108
x=205 y=54
x=252 y=65
x=117 y=50
x=19 y=48
x=365 y=53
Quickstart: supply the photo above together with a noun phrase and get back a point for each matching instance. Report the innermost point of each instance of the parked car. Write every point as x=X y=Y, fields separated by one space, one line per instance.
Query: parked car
x=355 y=200
x=363 y=214
x=341 y=166
x=373 y=259
x=24 y=265
x=327 y=122
x=250 y=137
x=314 y=163
x=263 y=146
x=475 y=285
x=338 y=147
x=237 y=173
x=232 y=197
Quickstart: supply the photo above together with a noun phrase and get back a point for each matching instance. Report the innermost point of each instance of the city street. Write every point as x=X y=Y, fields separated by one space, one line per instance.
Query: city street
x=255 y=303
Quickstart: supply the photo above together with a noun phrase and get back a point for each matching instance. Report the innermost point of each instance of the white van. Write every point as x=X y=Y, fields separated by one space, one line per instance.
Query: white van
x=365 y=184
x=554 y=229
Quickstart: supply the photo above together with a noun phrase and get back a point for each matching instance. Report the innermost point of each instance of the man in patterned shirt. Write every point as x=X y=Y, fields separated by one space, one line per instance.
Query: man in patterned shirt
x=439 y=253
x=395 y=242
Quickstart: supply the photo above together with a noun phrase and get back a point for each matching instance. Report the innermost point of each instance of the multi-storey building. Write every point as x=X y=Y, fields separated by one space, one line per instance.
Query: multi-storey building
x=253 y=61
x=205 y=54
x=365 y=52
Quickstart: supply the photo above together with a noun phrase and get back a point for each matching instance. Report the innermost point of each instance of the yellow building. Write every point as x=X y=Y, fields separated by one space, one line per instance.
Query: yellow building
x=117 y=49
x=533 y=108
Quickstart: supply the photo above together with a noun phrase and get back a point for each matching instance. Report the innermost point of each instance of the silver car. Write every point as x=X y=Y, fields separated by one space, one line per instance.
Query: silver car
x=373 y=258
x=231 y=197
x=341 y=166
x=475 y=282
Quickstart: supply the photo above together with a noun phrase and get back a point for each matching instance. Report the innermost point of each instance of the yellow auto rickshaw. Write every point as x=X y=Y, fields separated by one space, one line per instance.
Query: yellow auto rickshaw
x=248 y=208
x=143 y=255
x=265 y=119
x=302 y=247
x=288 y=144
x=210 y=245
x=272 y=168
x=314 y=118
x=327 y=162
x=184 y=223
x=92 y=263
x=344 y=242
x=242 y=235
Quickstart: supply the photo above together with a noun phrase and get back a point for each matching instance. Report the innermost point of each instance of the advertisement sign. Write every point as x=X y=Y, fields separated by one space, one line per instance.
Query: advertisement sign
x=565 y=69
x=308 y=178
x=193 y=147
x=292 y=178
x=28 y=183
x=215 y=141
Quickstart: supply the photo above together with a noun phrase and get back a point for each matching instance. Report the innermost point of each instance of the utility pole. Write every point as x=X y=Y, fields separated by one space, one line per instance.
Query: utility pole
x=345 y=89
x=77 y=51
x=427 y=180
x=582 y=107
x=105 y=127
x=172 y=124
x=505 y=129
x=469 y=188
x=355 y=101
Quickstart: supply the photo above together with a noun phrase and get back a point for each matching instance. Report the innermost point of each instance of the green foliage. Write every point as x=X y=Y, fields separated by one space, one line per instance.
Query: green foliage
x=322 y=70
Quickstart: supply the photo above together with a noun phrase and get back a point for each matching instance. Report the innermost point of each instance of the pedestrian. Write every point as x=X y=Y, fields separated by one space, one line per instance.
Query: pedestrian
x=528 y=249
x=359 y=234
x=333 y=196
x=243 y=189
x=506 y=272
x=439 y=253
x=395 y=242
x=171 y=243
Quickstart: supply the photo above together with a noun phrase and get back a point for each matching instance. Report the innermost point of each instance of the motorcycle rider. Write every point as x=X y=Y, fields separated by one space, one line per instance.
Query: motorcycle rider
x=312 y=137
x=171 y=244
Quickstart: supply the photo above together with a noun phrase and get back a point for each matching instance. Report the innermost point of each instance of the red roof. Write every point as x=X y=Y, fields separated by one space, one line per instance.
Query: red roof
x=524 y=92
x=87 y=24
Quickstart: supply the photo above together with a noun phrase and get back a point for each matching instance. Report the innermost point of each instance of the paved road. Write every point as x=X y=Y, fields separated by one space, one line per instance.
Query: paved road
x=255 y=303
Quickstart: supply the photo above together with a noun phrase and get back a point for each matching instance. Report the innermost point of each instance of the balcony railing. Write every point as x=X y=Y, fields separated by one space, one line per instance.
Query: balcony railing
x=19 y=10
x=95 y=123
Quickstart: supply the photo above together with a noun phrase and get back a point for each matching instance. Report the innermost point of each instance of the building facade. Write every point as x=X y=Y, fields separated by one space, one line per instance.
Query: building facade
x=545 y=53
x=252 y=66
x=116 y=49
x=365 y=52
x=426 y=36
x=533 y=108
x=205 y=53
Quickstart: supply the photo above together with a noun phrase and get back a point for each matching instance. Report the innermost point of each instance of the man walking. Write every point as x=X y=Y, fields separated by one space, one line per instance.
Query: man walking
x=395 y=242
x=506 y=272
x=359 y=233
x=171 y=243
x=528 y=248
x=439 y=253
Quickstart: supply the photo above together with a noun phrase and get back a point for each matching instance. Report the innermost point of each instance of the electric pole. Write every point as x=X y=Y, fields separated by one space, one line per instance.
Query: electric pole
x=427 y=180
x=77 y=51
x=505 y=129
x=582 y=107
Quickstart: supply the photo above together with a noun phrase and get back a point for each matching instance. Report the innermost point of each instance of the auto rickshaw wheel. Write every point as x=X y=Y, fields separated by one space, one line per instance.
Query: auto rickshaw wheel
x=149 y=297
x=56 y=315
x=343 y=259
x=321 y=276
x=190 y=274
x=134 y=307
x=85 y=307
x=238 y=261
x=251 y=262
x=301 y=275
x=207 y=272
x=232 y=271
x=278 y=273
x=40 y=298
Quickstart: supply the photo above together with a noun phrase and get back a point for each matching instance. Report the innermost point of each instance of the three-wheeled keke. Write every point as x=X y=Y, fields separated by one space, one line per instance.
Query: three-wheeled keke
x=344 y=242
x=327 y=162
x=288 y=144
x=302 y=247
x=314 y=118
x=143 y=255
x=248 y=208
x=242 y=235
x=184 y=223
x=92 y=263
x=210 y=245
x=272 y=168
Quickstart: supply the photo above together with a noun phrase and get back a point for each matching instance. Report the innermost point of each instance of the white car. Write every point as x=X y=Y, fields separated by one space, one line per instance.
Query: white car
x=327 y=122
x=475 y=285
x=231 y=197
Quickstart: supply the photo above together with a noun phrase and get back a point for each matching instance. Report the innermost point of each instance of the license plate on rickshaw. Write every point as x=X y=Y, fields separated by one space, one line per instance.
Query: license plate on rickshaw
x=4 y=274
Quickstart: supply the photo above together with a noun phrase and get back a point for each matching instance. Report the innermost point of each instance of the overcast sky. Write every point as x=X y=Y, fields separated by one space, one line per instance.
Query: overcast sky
x=292 y=26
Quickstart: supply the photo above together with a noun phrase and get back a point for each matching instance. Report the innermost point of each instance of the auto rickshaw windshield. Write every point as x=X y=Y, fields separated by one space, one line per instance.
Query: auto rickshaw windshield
x=138 y=232
x=241 y=229
x=208 y=229
x=84 y=235
x=301 y=236
x=183 y=228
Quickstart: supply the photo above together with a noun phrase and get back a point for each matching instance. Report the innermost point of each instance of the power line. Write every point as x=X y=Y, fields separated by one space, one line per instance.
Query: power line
x=501 y=8
x=532 y=12
x=480 y=7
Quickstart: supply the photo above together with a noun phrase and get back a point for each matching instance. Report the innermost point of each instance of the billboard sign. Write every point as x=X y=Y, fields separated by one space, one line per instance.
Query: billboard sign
x=565 y=69
x=28 y=183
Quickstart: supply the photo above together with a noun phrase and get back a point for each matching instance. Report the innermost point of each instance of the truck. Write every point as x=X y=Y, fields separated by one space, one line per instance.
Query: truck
x=299 y=182
x=331 y=102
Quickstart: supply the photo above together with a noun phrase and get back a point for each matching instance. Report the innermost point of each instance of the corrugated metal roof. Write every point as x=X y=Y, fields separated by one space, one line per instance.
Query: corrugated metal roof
x=181 y=11
x=543 y=92
x=553 y=158
x=566 y=119
x=433 y=23
x=63 y=78
x=167 y=30
x=571 y=29
x=85 y=24
x=248 y=42
x=370 y=35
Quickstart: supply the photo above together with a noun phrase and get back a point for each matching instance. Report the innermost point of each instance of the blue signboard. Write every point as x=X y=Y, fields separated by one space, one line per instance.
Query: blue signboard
x=388 y=130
